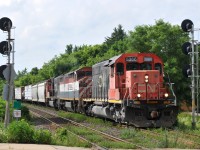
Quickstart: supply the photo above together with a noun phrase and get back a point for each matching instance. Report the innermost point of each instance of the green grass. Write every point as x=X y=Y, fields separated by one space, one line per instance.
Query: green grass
x=128 y=133
x=74 y=116
x=83 y=118
x=185 y=121
x=65 y=138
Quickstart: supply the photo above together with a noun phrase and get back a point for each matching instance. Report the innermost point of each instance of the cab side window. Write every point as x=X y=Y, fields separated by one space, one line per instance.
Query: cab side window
x=158 y=66
x=112 y=71
x=120 y=68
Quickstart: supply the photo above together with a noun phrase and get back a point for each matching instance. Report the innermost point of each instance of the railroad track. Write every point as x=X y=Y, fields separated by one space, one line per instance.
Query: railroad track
x=94 y=145
x=60 y=121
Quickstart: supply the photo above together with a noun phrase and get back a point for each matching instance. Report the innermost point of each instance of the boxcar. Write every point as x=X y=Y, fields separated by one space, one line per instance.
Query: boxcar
x=19 y=93
x=41 y=92
x=34 y=93
x=28 y=93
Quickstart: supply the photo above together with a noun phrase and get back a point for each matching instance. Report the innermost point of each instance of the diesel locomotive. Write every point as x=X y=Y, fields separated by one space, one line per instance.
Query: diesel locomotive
x=128 y=88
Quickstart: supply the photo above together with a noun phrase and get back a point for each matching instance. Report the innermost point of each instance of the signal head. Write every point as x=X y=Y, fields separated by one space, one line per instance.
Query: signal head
x=187 y=71
x=2 y=68
x=186 y=48
x=186 y=25
x=5 y=24
x=4 y=48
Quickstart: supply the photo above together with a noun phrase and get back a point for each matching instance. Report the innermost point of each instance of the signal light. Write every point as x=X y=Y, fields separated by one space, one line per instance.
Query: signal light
x=187 y=71
x=5 y=24
x=186 y=25
x=4 y=48
x=187 y=48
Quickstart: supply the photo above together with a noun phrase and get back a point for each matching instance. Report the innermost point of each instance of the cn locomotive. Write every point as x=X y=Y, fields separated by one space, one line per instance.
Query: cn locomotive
x=128 y=88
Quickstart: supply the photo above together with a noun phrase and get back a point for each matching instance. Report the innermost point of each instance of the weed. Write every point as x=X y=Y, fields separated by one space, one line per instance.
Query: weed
x=63 y=137
x=42 y=137
x=25 y=113
x=128 y=133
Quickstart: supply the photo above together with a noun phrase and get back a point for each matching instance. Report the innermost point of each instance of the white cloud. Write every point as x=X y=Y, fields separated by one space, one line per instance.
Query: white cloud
x=5 y=2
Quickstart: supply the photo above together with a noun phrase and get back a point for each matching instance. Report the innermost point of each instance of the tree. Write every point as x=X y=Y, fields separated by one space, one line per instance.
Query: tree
x=34 y=71
x=117 y=35
x=69 y=49
x=22 y=73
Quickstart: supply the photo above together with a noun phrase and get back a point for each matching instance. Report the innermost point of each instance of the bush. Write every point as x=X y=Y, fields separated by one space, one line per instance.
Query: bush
x=25 y=113
x=2 y=109
x=20 y=132
x=42 y=137
x=3 y=135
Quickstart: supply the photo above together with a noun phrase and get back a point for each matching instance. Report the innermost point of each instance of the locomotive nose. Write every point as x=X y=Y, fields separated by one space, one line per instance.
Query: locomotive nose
x=154 y=114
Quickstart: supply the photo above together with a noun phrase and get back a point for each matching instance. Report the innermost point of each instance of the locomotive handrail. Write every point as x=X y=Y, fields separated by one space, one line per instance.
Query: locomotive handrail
x=128 y=89
x=157 y=85
x=158 y=90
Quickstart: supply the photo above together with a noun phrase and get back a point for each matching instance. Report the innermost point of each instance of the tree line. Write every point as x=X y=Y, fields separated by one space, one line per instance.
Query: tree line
x=162 y=38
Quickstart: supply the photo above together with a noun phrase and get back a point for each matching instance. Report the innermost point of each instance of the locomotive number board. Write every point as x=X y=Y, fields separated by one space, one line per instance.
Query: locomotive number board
x=131 y=59
x=148 y=59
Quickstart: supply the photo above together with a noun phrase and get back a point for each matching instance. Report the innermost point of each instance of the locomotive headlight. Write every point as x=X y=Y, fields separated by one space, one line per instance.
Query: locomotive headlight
x=166 y=95
x=146 y=77
x=138 y=95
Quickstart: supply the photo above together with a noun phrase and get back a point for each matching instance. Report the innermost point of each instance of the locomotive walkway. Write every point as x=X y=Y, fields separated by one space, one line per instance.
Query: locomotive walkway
x=10 y=146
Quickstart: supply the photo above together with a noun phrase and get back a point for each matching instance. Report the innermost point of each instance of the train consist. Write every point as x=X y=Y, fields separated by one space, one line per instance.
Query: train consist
x=128 y=88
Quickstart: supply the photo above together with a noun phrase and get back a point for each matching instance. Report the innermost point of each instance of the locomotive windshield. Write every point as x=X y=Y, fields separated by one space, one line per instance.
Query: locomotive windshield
x=145 y=66
x=132 y=66
x=81 y=74
x=88 y=73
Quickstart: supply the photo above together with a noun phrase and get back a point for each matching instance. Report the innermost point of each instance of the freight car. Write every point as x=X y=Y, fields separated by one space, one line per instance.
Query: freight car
x=19 y=93
x=128 y=88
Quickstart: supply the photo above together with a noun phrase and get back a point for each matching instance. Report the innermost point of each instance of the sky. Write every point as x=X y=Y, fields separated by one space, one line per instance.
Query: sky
x=43 y=28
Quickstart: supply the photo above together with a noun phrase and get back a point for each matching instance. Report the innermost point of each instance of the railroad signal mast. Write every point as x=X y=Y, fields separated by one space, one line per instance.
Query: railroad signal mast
x=192 y=70
x=7 y=71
